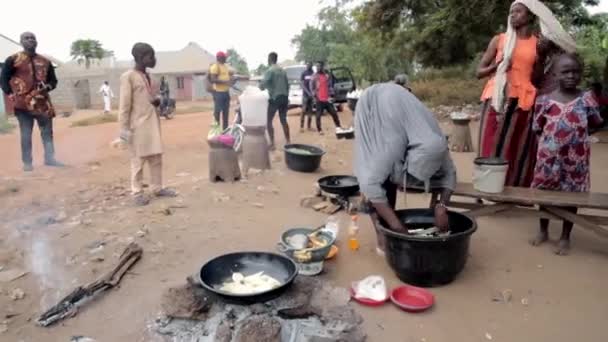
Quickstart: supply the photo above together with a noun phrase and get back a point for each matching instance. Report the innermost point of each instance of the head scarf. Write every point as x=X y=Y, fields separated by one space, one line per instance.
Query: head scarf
x=550 y=29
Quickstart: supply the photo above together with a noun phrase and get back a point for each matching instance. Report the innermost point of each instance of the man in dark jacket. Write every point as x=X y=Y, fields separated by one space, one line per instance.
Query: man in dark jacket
x=27 y=78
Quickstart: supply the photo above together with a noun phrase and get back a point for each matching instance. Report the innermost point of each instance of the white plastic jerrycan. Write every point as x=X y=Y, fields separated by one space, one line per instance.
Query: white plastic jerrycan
x=254 y=106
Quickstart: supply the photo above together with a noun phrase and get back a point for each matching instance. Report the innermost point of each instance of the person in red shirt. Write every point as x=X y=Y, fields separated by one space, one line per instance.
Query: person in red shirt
x=321 y=90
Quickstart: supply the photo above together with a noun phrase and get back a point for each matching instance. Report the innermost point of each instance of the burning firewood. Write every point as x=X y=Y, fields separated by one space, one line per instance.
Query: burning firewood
x=68 y=306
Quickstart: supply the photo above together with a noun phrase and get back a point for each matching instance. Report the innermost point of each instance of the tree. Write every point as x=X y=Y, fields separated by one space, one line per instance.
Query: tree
x=339 y=40
x=88 y=50
x=261 y=69
x=446 y=32
x=592 y=41
x=238 y=62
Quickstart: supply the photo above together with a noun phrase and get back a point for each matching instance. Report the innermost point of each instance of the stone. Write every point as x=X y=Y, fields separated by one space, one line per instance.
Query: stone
x=310 y=201
x=321 y=206
x=81 y=339
x=188 y=302
x=3 y=328
x=259 y=328
x=258 y=205
x=61 y=216
x=331 y=209
x=219 y=197
x=17 y=294
x=504 y=296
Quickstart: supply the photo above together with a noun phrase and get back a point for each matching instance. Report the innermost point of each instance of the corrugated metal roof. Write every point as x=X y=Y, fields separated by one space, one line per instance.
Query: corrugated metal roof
x=192 y=59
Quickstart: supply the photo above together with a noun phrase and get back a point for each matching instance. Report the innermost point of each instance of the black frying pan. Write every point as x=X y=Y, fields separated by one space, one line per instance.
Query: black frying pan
x=346 y=186
x=220 y=269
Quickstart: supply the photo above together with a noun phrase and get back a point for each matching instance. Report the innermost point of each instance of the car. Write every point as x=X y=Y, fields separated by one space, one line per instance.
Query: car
x=342 y=80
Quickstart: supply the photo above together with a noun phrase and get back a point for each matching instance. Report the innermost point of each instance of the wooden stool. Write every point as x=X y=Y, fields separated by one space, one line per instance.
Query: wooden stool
x=255 y=149
x=223 y=164
x=460 y=140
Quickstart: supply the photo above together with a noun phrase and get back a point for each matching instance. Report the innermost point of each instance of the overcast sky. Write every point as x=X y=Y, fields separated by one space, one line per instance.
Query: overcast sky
x=253 y=28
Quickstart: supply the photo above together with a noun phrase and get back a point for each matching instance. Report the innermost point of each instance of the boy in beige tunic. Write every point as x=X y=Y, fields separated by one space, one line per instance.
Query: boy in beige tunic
x=140 y=124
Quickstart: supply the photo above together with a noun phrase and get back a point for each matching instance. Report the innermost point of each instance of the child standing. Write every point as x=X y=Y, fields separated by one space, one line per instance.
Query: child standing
x=140 y=124
x=562 y=119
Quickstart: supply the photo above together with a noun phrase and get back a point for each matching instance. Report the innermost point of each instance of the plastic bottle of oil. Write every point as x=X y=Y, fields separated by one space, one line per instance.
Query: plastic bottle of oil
x=353 y=232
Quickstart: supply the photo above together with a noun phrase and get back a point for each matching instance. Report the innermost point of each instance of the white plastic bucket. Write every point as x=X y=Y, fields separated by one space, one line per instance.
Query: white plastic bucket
x=489 y=175
x=254 y=107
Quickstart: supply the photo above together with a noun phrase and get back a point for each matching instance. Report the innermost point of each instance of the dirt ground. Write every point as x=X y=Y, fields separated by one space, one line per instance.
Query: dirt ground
x=54 y=220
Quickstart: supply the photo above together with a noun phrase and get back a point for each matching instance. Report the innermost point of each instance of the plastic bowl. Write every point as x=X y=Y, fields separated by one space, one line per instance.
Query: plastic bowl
x=412 y=299
x=366 y=301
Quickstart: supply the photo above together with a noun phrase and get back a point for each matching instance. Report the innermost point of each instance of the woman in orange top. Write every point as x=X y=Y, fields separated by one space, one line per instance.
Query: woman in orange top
x=506 y=132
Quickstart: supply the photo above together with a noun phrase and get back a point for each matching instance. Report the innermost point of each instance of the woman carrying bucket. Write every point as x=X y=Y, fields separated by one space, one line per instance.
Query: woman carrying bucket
x=512 y=60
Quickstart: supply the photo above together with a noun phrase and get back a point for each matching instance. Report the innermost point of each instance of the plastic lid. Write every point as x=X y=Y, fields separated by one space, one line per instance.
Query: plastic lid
x=490 y=161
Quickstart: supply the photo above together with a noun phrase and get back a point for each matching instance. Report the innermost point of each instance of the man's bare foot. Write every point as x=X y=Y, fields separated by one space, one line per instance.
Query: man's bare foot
x=563 y=247
x=539 y=239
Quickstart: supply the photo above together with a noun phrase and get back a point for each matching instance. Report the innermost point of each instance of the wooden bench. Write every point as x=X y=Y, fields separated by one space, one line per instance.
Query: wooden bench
x=542 y=204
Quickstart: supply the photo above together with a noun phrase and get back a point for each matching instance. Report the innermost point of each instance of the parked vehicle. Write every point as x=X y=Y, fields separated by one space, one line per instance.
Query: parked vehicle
x=342 y=81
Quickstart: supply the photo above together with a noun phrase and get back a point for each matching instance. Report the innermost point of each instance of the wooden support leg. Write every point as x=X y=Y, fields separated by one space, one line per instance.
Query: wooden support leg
x=578 y=220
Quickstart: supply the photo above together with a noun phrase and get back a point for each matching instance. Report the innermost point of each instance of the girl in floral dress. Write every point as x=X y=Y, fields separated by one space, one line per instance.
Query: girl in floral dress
x=562 y=119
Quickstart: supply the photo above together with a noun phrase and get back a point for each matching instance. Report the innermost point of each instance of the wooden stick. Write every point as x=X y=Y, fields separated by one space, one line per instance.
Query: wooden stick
x=490 y=209
x=577 y=219
x=68 y=306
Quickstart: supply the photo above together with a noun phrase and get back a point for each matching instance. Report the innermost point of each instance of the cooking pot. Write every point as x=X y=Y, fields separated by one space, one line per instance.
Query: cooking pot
x=218 y=270
x=301 y=162
x=306 y=255
x=428 y=261
x=345 y=186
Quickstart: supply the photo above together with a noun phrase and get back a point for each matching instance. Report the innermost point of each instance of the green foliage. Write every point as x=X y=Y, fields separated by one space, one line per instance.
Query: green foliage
x=238 y=62
x=95 y=120
x=447 y=32
x=87 y=51
x=261 y=69
x=592 y=41
x=437 y=42
x=339 y=41
x=454 y=86
x=5 y=126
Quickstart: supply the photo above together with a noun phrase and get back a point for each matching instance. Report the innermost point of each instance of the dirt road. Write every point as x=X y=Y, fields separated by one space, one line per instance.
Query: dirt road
x=53 y=225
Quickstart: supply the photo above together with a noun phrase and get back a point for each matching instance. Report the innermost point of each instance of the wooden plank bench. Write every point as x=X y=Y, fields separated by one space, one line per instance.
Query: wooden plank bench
x=543 y=204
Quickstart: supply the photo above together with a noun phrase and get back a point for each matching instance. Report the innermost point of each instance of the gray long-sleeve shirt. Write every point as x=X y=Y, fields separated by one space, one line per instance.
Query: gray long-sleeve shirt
x=396 y=136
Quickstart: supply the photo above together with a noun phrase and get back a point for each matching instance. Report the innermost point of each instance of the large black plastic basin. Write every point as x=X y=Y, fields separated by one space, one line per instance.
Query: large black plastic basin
x=432 y=261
